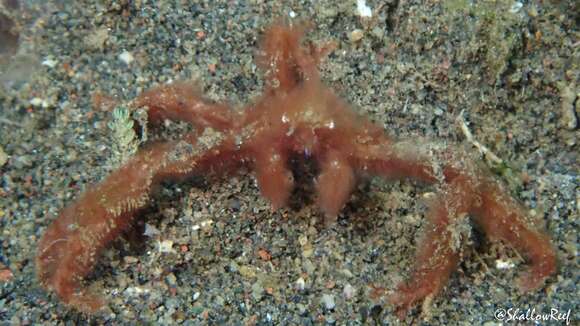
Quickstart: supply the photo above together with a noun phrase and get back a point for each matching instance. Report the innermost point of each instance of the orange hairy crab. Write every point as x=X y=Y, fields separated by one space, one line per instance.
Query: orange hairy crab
x=297 y=114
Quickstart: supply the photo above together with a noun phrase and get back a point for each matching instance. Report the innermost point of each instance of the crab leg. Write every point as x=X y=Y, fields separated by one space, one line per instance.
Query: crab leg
x=182 y=101
x=334 y=184
x=502 y=218
x=465 y=189
x=69 y=248
x=274 y=178
x=437 y=253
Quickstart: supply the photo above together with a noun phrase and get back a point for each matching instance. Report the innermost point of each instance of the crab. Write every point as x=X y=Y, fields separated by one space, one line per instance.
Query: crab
x=296 y=116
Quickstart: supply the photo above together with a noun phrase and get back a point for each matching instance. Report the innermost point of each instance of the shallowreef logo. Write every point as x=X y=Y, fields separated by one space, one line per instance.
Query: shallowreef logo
x=530 y=314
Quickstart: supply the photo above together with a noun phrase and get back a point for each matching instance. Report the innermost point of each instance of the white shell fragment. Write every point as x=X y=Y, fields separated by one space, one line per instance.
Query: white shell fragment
x=504 y=264
x=348 y=291
x=126 y=57
x=328 y=301
x=363 y=10
x=165 y=246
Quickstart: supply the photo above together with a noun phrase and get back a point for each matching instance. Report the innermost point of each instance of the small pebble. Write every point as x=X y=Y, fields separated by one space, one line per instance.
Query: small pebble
x=49 y=62
x=150 y=230
x=301 y=308
x=504 y=264
x=348 y=291
x=356 y=35
x=257 y=291
x=300 y=284
x=309 y=267
x=492 y=323
x=171 y=279
x=39 y=102
x=5 y=273
x=126 y=57
x=130 y=259
x=247 y=272
x=3 y=157
x=346 y=272
x=135 y=290
x=568 y=116
x=516 y=6
x=363 y=10
x=165 y=246
x=328 y=301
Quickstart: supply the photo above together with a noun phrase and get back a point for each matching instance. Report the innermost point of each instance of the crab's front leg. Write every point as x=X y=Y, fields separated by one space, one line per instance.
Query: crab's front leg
x=70 y=247
x=183 y=101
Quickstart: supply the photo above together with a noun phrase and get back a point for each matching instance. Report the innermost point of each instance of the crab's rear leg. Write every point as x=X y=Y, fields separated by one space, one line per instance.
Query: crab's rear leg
x=467 y=189
x=183 y=101
x=502 y=218
x=438 y=251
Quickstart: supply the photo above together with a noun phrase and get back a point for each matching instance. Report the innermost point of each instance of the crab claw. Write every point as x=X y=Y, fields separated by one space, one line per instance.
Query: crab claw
x=274 y=178
x=334 y=184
